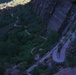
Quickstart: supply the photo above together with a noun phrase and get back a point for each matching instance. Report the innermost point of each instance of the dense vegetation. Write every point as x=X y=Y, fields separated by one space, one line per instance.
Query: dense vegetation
x=20 y=31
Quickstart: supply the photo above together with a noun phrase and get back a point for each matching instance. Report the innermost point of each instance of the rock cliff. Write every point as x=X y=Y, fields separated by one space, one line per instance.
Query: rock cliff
x=53 y=13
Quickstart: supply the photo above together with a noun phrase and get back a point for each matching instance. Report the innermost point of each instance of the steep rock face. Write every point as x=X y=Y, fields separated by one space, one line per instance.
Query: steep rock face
x=44 y=8
x=52 y=12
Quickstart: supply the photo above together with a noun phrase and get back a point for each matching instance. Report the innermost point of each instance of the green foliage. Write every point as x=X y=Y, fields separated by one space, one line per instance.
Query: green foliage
x=52 y=38
x=1 y=71
x=16 y=44
x=53 y=69
x=36 y=71
x=2 y=23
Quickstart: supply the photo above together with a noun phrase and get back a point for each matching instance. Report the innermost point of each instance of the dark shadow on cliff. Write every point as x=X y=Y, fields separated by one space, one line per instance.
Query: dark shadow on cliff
x=74 y=2
x=4 y=1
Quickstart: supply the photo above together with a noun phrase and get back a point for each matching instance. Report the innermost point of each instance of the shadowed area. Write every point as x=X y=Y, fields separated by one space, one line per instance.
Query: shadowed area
x=74 y=2
x=4 y=1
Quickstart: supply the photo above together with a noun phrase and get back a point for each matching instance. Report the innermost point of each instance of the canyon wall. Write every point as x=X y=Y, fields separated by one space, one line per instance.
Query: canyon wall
x=53 y=13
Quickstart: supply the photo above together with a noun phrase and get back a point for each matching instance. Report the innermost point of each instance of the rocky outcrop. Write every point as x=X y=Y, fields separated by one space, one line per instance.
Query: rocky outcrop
x=52 y=12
